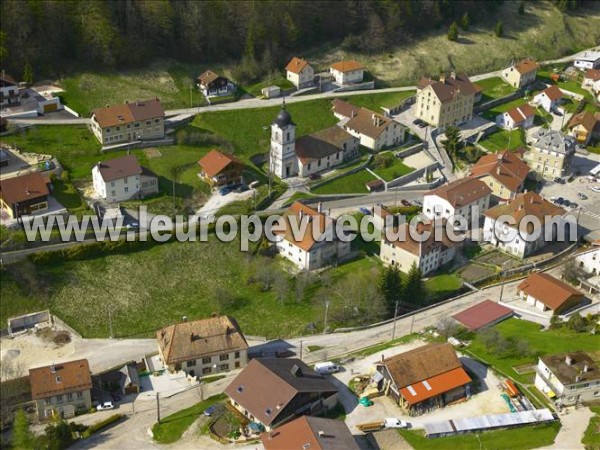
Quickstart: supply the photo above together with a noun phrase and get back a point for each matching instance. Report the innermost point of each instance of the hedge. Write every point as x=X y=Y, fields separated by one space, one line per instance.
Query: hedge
x=94 y=428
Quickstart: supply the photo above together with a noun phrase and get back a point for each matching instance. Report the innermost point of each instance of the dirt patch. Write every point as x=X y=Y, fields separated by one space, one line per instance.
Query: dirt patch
x=152 y=153
x=524 y=368
x=58 y=337
x=474 y=272
x=499 y=259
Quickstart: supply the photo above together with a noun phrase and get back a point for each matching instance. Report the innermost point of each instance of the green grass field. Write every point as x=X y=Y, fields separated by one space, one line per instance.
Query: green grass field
x=354 y=184
x=494 y=88
x=396 y=170
x=375 y=102
x=591 y=438
x=503 y=139
x=515 y=439
x=540 y=343
x=491 y=114
x=280 y=80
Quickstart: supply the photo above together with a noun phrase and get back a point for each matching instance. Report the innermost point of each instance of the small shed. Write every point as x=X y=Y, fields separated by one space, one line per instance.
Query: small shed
x=375 y=186
x=271 y=91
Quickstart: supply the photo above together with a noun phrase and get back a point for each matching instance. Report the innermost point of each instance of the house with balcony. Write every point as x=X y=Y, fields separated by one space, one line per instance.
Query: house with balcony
x=9 y=90
x=221 y=169
x=503 y=172
x=24 y=195
x=569 y=378
x=375 y=130
x=585 y=126
x=549 y=98
x=212 y=84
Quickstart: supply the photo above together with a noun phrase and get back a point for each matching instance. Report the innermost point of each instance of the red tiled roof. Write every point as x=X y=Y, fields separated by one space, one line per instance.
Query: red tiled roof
x=296 y=65
x=521 y=113
x=450 y=87
x=462 y=192
x=215 y=161
x=22 y=188
x=550 y=291
x=304 y=213
x=344 y=108
x=208 y=77
x=60 y=378
x=593 y=74
x=115 y=169
x=6 y=78
x=553 y=93
x=435 y=386
x=525 y=66
x=586 y=119
x=129 y=112
x=505 y=167
x=482 y=314
x=370 y=123
x=347 y=66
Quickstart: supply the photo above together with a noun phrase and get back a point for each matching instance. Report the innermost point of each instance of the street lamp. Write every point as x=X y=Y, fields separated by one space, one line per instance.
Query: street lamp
x=325 y=321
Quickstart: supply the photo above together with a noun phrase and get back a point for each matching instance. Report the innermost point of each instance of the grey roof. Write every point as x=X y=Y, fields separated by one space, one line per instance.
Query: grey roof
x=554 y=141
x=284 y=118
x=322 y=143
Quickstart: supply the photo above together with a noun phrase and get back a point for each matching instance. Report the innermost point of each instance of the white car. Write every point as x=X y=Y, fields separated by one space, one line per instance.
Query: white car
x=392 y=422
x=595 y=188
x=105 y=405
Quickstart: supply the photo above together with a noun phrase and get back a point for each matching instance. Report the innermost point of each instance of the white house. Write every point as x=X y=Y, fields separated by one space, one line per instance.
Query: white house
x=467 y=197
x=589 y=60
x=523 y=237
x=347 y=72
x=549 y=98
x=300 y=73
x=316 y=244
x=9 y=90
x=517 y=117
x=375 y=131
x=569 y=378
x=121 y=179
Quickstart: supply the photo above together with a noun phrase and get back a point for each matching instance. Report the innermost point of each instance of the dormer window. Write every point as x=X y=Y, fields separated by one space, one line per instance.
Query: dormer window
x=59 y=379
x=268 y=411
x=240 y=389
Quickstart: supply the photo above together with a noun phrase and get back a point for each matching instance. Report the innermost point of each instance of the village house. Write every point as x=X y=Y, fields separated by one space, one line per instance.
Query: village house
x=546 y=293
x=504 y=173
x=446 y=102
x=24 y=195
x=344 y=110
x=300 y=73
x=204 y=346
x=569 y=378
x=120 y=179
x=419 y=245
x=521 y=238
x=551 y=153
x=317 y=246
x=316 y=152
x=483 y=315
x=9 y=90
x=62 y=389
x=347 y=72
x=314 y=433
x=374 y=130
x=589 y=60
x=272 y=391
x=212 y=84
x=591 y=80
x=221 y=169
x=585 y=126
x=466 y=197
x=517 y=117
x=549 y=98
x=424 y=379
x=129 y=122
x=521 y=74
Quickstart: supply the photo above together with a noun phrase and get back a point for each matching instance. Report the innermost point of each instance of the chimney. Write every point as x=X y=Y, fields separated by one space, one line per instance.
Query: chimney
x=500 y=156
x=27 y=190
x=442 y=78
x=453 y=75
x=586 y=368
x=568 y=360
x=374 y=119
x=52 y=368
x=319 y=206
x=321 y=433
x=577 y=378
x=184 y=318
x=498 y=170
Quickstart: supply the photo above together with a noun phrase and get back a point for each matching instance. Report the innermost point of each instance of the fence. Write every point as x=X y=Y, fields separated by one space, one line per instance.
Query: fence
x=71 y=111
x=26 y=321
x=414 y=175
x=356 y=87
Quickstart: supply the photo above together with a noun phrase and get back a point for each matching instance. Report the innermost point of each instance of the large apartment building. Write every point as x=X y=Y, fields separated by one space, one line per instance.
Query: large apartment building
x=551 y=153
x=448 y=101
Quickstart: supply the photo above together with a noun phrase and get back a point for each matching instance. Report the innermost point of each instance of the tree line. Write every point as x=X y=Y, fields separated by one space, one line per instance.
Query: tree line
x=54 y=37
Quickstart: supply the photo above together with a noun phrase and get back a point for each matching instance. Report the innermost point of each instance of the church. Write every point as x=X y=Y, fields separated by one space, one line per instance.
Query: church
x=310 y=154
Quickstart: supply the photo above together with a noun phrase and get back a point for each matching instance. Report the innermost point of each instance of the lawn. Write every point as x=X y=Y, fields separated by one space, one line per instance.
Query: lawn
x=494 y=88
x=279 y=80
x=521 y=438
x=568 y=85
x=171 y=428
x=397 y=169
x=491 y=114
x=540 y=343
x=442 y=285
x=349 y=184
x=591 y=438
x=375 y=102
x=503 y=139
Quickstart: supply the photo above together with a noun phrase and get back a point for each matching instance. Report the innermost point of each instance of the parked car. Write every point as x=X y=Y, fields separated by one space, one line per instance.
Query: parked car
x=596 y=188
x=574 y=205
x=314 y=176
x=242 y=188
x=392 y=422
x=418 y=202
x=210 y=410
x=365 y=211
x=582 y=196
x=224 y=191
x=417 y=122
x=567 y=202
x=559 y=180
x=422 y=124
x=104 y=406
x=405 y=202
x=326 y=368
x=560 y=201
x=284 y=353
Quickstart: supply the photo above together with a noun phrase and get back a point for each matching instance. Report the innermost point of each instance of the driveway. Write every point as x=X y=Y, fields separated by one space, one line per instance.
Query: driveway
x=574 y=423
x=218 y=201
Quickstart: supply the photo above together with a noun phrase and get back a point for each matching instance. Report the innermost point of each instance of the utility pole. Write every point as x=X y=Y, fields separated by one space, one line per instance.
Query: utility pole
x=326 y=311
x=412 y=322
x=110 y=328
x=300 y=349
x=191 y=106
x=395 y=315
x=157 y=408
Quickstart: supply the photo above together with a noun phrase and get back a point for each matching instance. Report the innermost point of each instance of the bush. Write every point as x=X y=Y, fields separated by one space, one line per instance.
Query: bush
x=384 y=160
x=94 y=428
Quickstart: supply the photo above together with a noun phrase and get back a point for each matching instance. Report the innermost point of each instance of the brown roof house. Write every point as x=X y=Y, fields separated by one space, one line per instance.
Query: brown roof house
x=203 y=347
x=347 y=72
x=343 y=109
x=585 y=126
x=419 y=245
x=568 y=378
x=521 y=74
x=272 y=391
x=547 y=293
x=425 y=378
x=308 y=238
x=314 y=433
x=525 y=236
x=466 y=197
x=591 y=81
x=212 y=84
x=61 y=389
x=517 y=117
x=24 y=195
x=123 y=178
x=9 y=90
x=300 y=73
x=503 y=172
x=549 y=98
x=221 y=169
x=375 y=130
x=129 y=122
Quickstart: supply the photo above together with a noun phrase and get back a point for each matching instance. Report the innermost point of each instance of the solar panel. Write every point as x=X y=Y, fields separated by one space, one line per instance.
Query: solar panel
x=411 y=390
x=427 y=386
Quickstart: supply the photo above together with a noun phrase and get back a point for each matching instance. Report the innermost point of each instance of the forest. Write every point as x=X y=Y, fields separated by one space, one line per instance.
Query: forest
x=57 y=37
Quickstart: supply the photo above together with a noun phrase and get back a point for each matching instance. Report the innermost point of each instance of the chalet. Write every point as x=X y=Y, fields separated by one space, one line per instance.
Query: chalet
x=61 y=389
x=546 y=293
x=24 y=195
x=273 y=391
x=591 y=79
x=121 y=179
x=521 y=74
x=9 y=90
x=425 y=378
x=517 y=117
x=212 y=84
x=300 y=73
x=203 y=347
x=347 y=72
x=549 y=98
x=221 y=169
x=129 y=122
x=585 y=126
x=504 y=173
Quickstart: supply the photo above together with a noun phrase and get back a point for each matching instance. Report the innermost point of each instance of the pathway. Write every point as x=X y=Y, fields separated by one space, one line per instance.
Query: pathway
x=574 y=424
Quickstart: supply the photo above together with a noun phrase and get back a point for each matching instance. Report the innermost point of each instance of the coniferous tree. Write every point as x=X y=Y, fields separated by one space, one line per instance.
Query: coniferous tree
x=453 y=32
x=414 y=289
x=22 y=437
x=465 y=21
x=499 y=29
x=390 y=285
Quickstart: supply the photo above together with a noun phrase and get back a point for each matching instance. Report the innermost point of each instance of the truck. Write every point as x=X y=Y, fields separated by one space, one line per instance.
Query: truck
x=389 y=422
x=326 y=368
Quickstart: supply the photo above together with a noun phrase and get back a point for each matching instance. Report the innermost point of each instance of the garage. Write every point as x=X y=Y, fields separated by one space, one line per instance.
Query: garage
x=50 y=107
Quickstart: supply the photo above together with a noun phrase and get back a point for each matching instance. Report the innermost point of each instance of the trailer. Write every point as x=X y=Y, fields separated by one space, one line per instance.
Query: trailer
x=371 y=426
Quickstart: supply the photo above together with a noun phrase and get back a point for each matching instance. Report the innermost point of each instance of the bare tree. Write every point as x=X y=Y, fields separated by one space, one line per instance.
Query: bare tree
x=281 y=286
x=447 y=327
x=303 y=280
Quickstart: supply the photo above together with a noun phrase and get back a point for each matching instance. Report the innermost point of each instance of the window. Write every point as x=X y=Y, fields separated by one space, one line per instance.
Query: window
x=126 y=189
x=206 y=360
x=79 y=394
x=596 y=393
x=59 y=398
x=147 y=122
x=224 y=367
x=287 y=136
x=237 y=364
x=236 y=355
x=69 y=396
x=223 y=357
x=125 y=180
x=156 y=120
x=48 y=400
x=190 y=363
x=113 y=193
x=58 y=379
x=206 y=370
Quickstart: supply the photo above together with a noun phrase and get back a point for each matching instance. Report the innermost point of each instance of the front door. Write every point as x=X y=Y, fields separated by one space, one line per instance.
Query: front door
x=287 y=171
